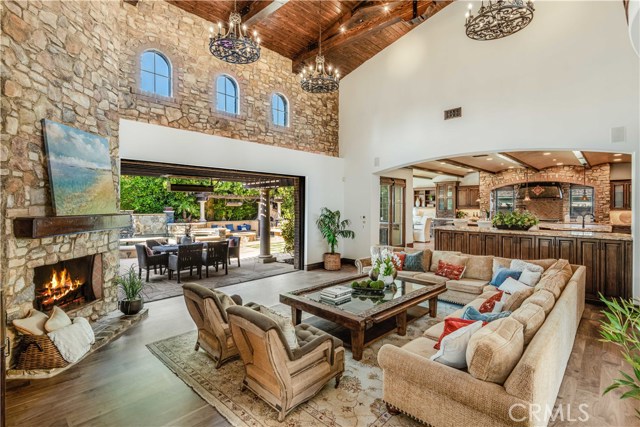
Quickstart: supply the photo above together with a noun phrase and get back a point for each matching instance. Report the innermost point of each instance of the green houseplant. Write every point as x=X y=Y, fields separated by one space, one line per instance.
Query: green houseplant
x=131 y=287
x=288 y=233
x=514 y=220
x=622 y=327
x=332 y=227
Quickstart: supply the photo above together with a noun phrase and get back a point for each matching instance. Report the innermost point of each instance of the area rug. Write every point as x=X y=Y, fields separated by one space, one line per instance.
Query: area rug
x=356 y=402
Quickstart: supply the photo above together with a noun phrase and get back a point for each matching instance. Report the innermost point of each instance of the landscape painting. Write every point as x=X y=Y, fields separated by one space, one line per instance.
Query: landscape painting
x=79 y=171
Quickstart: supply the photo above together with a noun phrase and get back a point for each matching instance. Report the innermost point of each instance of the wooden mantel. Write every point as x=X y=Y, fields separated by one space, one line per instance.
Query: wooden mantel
x=48 y=226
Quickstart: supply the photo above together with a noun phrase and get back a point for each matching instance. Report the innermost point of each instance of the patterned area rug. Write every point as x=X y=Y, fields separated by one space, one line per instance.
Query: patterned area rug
x=356 y=402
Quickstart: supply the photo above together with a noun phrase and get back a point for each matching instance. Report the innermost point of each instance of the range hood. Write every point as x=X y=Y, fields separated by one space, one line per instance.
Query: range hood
x=541 y=190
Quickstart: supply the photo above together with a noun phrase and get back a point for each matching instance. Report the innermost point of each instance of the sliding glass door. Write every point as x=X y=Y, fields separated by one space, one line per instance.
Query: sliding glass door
x=392 y=211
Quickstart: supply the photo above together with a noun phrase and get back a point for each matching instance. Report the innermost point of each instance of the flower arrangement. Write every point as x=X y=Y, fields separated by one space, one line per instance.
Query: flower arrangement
x=384 y=264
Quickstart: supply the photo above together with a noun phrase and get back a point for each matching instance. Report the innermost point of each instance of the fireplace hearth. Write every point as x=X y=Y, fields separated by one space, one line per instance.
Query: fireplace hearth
x=68 y=284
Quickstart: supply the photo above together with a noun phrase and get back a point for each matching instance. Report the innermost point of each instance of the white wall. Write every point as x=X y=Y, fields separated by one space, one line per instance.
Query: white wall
x=324 y=182
x=561 y=83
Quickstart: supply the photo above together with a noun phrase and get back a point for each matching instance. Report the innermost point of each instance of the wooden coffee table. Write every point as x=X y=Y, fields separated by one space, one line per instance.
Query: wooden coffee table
x=364 y=311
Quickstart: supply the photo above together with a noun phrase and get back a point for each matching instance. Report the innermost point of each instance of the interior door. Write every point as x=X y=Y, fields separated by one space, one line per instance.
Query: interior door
x=392 y=211
x=385 y=208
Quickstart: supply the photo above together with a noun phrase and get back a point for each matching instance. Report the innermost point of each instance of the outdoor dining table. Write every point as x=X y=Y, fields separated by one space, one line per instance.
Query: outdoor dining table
x=169 y=249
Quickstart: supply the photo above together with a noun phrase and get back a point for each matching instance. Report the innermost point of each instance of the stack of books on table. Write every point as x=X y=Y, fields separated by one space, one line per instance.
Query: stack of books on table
x=336 y=294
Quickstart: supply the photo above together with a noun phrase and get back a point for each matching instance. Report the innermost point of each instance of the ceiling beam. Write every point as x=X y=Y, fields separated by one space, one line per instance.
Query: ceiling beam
x=464 y=165
x=520 y=162
x=588 y=164
x=132 y=2
x=438 y=172
x=364 y=19
x=256 y=11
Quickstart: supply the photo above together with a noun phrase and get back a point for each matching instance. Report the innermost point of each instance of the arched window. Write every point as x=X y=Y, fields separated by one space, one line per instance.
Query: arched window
x=279 y=110
x=227 y=95
x=155 y=73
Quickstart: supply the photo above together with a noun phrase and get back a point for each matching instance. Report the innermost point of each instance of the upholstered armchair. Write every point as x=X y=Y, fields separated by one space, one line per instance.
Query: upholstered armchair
x=147 y=260
x=207 y=308
x=281 y=376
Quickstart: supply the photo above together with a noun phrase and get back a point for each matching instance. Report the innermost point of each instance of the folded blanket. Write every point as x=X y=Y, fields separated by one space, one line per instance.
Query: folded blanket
x=75 y=340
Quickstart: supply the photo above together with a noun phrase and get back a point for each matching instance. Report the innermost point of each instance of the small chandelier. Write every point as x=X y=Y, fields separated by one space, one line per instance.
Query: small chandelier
x=527 y=198
x=234 y=46
x=584 y=197
x=498 y=19
x=319 y=80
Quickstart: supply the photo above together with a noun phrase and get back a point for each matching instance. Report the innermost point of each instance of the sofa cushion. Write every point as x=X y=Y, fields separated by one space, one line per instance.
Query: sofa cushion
x=285 y=325
x=502 y=274
x=471 y=313
x=530 y=278
x=543 y=298
x=471 y=286
x=453 y=271
x=498 y=263
x=453 y=348
x=421 y=346
x=434 y=332
x=451 y=325
x=479 y=267
x=405 y=273
x=426 y=259
x=544 y=263
x=33 y=324
x=431 y=277
x=556 y=267
x=532 y=317
x=476 y=303
x=521 y=265
x=367 y=269
x=514 y=301
x=511 y=286
x=445 y=256
x=495 y=350
x=413 y=262
x=554 y=284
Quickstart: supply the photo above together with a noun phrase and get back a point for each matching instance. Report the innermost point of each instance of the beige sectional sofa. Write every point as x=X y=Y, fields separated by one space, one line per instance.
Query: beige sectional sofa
x=487 y=393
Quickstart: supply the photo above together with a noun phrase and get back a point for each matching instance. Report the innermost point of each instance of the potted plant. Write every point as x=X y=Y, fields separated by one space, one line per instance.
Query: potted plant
x=622 y=328
x=384 y=266
x=131 y=286
x=461 y=219
x=332 y=228
x=514 y=220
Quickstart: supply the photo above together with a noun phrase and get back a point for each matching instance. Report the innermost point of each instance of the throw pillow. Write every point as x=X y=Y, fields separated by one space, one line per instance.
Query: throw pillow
x=511 y=286
x=544 y=299
x=499 y=263
x=450 y=271
x=451 y=324
x=554 y=284
x=426 y=259
x=472 y=314
x=148 y=250
x=446 y=256
x=501 y=275
x=288 y=330
x=413 y=262
x=532 y=317
x=514 y=301
x=57 y=320
x=498 y=307
x=495 y=350
x=489 y=304
x=479 y=267
x=453 y=349
x=520 y=265
x=530 y=278
x=33 y=324
x=401 y=260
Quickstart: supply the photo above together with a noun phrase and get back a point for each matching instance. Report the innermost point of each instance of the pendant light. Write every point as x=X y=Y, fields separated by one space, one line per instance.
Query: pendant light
x=526 y=194
x=318 y=79
x=584 y=197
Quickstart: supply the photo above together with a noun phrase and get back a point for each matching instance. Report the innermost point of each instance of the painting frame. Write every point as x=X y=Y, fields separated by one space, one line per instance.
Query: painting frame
x=80 y=171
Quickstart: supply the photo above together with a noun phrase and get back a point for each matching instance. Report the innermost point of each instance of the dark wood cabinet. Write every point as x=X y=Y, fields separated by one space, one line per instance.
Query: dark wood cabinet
x=623 y=229
x=608 y=262
x=446 y=196
x=620 y=195
x=468 y=197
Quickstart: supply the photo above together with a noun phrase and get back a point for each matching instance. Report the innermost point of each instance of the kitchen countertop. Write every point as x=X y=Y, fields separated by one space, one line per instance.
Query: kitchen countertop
x=551 y=233
x=574 y=226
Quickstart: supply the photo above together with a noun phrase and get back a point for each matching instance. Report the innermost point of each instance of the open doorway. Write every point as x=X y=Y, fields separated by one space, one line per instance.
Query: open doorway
x=259 y=216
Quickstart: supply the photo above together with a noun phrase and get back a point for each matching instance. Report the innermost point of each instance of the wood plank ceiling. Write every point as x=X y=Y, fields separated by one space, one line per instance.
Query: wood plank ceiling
x=352 y=31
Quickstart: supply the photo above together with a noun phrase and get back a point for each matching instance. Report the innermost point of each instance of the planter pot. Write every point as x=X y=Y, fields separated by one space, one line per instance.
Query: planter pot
x=373 y=274
x=130 y=307
x=331 y=261
x=387 y=280
x=460 y=222
x=513 y=227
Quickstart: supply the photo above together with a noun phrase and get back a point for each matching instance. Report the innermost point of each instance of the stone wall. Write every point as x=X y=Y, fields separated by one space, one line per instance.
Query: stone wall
x=184 y=39
x=150 y=224
x=596 y=177
x=59 y=62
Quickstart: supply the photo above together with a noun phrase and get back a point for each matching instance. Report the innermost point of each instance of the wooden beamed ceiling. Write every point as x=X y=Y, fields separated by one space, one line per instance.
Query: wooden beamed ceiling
x=352 y=31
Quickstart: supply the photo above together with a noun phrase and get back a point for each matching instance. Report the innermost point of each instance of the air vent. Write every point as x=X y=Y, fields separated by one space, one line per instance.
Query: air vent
x=454 y=113
x=618 y=134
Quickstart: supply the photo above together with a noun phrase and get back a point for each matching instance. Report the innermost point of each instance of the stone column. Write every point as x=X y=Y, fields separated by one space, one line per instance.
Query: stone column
x=264 y=210
x=202 y=216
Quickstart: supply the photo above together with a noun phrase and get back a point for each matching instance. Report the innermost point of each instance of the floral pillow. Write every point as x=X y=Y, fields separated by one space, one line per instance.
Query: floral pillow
x=450 y=271
x=489 y=304
x=399 y=262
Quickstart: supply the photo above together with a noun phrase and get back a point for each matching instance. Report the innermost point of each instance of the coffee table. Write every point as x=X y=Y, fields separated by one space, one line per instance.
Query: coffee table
x=364 y=311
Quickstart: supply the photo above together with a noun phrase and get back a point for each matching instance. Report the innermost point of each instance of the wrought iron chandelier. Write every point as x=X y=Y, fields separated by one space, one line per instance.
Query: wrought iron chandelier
x=498 y=18
x=234 y=46
x=319 y=79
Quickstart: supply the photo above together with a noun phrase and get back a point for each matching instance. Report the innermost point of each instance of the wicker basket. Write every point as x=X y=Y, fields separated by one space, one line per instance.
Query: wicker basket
x=332 y=261
x=39 y=352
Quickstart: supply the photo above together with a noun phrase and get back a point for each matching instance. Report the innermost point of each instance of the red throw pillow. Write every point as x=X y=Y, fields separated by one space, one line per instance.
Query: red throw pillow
x=489 y=303
x=450 y=271
x=401 y=256
x=452 y=324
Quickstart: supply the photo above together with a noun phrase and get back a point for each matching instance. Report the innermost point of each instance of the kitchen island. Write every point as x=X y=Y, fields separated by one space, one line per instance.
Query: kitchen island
x=607 y=256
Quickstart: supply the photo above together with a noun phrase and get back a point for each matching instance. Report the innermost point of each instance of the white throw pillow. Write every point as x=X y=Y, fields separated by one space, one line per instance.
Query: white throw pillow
x=453 y=347
x=511 y=286
x=57 y=320
x=497 y=307
x=530 y=278
x=287 y=328
x=520 y=265
x=33 y=324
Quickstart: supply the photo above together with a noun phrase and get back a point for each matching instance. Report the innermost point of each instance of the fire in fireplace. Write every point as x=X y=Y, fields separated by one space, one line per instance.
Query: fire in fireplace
x=67 y=284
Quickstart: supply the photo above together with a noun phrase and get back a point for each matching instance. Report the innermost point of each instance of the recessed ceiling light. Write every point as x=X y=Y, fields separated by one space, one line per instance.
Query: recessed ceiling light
x=553 y=160
x=442 y=163
x=546 y=154
x=511 y=167
x=501 y=164
x=560 y=164
x=489 y=158
x=470 y=170
x=617 y=160
x=617 y=155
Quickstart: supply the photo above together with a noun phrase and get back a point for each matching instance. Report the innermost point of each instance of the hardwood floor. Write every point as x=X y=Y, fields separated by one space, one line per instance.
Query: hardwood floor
x=123 y=384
